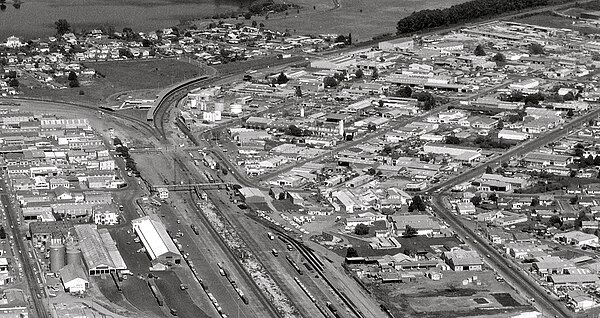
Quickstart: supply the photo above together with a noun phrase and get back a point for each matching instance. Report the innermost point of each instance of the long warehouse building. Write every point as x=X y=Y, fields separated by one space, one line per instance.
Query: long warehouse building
x=100 y=253
x=156 y=240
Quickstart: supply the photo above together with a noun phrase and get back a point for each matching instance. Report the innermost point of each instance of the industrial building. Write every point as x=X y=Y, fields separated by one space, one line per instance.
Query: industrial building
x=156 y=240
x=100 y=253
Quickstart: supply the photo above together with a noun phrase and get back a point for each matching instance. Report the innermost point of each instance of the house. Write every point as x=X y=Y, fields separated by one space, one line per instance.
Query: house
x=580 y=300
x=401 y=44
x=74 y=279
x=574 y=279
x=105 y=215
x=462 y=260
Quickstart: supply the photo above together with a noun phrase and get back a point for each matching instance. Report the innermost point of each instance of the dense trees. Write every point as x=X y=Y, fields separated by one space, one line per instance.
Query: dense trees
x=410 y=231
x=329 y=81
x=361 y=229
x=404 y=91
x=417 y=203
x=62 y=26
x=535 y=48
x=460 y=13
x=479 y=50
x=499 y=57
x=427 y=100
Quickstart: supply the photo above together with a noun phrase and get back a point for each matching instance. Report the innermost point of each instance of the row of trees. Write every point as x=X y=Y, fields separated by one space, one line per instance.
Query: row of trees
x=461 y=13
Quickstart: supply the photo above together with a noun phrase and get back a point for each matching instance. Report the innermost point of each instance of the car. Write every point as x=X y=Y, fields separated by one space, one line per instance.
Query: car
x=488 y=255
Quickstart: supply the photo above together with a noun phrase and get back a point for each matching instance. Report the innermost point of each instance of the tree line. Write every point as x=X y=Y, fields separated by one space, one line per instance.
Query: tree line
x=461 y=13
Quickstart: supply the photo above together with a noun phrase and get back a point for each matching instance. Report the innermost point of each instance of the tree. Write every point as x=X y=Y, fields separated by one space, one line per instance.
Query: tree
x=499 y=57
x=2 y=233
x=329 y=81
x=476 y=200
x=536 y=49
x=500 y=124
x=375 y=74
x=298 y=91
x=282 y=78
x=13 y=82
x=535 y=202
x=597 y=160
x=489 y=170
x=570 y=113
x=359 y=73
x=569 y=96
x=404 y=91
x=427 y=100
x=479 y=51
x=295 y=131
x=254 y=24
x=555 y=221
x=351 y=252
x=410 y=231
x=574 y=200
x=72 y=76
x=452 y=140
x=73 y=83
x=493 y=197
x=417 y=204
x=361 y=229
x=62 y=26
x=248 y=15
x=117 y=141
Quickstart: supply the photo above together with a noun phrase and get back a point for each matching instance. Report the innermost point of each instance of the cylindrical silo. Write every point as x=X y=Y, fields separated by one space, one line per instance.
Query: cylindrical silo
x=57 y=256
x=73 y=255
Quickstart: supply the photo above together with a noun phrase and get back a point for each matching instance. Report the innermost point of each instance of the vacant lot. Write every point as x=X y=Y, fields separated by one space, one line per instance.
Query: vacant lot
x=448 y=297
x=146 y=74
x=119 y=79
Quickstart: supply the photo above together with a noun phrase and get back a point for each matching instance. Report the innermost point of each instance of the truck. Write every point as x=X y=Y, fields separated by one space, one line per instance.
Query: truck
x=271 y=236
x=274 y=252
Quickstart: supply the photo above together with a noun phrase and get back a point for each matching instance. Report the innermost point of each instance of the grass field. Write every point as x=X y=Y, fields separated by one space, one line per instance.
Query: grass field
x=146 y=74
x=120 y=78
x=363 y=18
x=553 y=21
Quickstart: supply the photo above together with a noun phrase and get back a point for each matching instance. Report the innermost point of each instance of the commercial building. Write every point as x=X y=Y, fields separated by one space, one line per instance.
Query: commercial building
x=157 y=242
x=100 y=253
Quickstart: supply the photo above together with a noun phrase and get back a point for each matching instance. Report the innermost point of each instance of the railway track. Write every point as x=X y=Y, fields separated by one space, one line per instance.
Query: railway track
x=314 y=261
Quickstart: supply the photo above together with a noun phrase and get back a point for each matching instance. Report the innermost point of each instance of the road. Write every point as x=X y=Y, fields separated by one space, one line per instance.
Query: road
x=519 y=150
x=518 y=279
x=37 y=293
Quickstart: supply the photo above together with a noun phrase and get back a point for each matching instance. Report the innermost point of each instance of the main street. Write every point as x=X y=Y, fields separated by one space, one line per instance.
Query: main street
x=521 y=281
x=37 y=292
x=518 y=150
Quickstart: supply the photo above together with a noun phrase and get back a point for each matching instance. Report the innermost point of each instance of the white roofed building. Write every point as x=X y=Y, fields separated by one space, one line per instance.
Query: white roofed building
x=159 y=245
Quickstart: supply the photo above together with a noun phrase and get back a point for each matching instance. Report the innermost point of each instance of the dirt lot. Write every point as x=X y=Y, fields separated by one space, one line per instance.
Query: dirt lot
x=427 y=298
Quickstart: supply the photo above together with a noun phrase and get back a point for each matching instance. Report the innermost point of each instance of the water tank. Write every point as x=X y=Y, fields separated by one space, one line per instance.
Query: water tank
x=236 y=109
x=73 y=255
x=57 y=256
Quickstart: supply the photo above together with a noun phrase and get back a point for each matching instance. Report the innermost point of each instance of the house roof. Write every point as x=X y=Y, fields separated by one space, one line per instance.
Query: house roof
x=71 y=272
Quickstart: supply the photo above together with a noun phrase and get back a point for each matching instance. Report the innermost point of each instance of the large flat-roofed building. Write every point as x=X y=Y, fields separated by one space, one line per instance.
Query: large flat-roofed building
x=99 y=250
x=156 y=240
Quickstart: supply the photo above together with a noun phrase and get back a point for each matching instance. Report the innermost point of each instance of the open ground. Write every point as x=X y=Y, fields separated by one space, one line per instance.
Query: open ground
x=363 y=18
x=136 y=78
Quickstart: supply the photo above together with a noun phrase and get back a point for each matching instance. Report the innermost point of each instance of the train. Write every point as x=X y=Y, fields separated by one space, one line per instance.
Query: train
x=294 y=265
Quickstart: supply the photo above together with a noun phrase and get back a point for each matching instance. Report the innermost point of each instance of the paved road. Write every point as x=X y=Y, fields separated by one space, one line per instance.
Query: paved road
x=519 y=150
x=515 y=277
x=37 y=293
x=519 y=279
